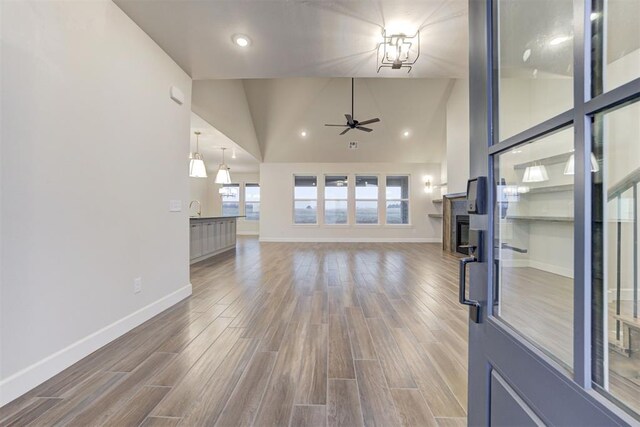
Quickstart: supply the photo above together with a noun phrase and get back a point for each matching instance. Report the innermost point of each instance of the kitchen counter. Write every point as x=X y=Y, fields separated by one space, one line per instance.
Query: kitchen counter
x=215 y=217
x=211 y=236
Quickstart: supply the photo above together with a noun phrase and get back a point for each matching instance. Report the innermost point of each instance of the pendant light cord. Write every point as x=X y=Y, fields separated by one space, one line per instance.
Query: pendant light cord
x=197 y=142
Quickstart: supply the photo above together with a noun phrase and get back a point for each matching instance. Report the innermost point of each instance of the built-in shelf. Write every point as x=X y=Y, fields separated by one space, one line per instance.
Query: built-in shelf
x=437 y=201
x=542 y=218
x=436 y=215
x=549 y=189
x=553 y=160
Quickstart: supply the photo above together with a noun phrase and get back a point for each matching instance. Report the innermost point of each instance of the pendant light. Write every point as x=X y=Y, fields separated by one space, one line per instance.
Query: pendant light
x=535 y=173
x=196 y=162
x=570 y=166
x=223 y=176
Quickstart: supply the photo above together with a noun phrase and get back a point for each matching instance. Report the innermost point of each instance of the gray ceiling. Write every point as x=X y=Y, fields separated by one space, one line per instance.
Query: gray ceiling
x=302 y=38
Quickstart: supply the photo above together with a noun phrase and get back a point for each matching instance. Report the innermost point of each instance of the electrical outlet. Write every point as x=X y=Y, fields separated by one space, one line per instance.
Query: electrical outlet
x=353 y=145
x=137 y=285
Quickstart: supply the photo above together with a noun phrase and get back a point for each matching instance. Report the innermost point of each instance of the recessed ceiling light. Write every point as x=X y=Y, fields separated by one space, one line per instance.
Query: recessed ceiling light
x=405 y=133
x=303 y=133
x=559 y=40
x=241 y=40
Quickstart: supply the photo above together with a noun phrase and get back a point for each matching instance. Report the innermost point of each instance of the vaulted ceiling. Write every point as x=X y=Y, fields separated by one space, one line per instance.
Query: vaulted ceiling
x=295 y=75
x=302 y=38
x=282 y=109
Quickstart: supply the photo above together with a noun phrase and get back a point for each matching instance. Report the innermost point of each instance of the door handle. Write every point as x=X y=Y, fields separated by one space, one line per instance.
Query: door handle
x=474 y=310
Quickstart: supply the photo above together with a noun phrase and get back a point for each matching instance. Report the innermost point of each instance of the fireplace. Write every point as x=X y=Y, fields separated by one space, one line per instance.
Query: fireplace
x=462 y=233
x=454 y=207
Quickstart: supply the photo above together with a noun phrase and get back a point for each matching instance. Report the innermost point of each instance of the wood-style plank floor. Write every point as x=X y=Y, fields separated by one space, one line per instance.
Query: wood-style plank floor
x=281 y=334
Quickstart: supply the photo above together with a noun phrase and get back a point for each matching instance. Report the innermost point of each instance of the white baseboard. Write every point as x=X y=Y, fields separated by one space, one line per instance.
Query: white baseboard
x=351 y=239
x=21 y=382
x=247 y=233
x=561 y=271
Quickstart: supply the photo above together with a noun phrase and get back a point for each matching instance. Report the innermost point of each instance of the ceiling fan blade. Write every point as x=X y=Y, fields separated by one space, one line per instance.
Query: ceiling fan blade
x=345 y=131
x=366 y=122
x=342 y=126
x=364 y=128
x=349 y=119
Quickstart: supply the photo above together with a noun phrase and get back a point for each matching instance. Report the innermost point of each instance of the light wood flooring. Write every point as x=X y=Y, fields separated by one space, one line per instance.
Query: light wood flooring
x=282 y=334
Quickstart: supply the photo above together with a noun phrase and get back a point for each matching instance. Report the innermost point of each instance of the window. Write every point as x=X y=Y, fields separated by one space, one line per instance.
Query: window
x=305 y=203
x=366 y=199
x=397 y=200
x=536 y=66
x=336 y=194
x=616 y=255
x=230 y=194
x=252 y=201
x=534 y=242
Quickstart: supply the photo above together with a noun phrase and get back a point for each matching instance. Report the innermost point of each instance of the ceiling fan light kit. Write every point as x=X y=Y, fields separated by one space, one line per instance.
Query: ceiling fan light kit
x=398 y=51
x=352 y=123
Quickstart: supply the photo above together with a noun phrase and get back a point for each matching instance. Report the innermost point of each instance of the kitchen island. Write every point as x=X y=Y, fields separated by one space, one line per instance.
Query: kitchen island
x=211 y=236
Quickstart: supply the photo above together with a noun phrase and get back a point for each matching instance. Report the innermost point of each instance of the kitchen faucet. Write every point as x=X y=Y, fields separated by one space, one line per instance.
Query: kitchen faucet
x=199 y=211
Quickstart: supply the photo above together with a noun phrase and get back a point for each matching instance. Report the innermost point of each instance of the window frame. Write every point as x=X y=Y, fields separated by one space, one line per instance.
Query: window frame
x=245 y=202
x=408 y=200
x=325 y=199
x=240 y=204
x=294 y=200
x=356 y=200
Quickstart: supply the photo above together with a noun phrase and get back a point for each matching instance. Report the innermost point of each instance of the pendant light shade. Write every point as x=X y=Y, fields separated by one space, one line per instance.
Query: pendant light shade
x=570 y=166
x=535 y=173
x=223 y=176
x=197 y=168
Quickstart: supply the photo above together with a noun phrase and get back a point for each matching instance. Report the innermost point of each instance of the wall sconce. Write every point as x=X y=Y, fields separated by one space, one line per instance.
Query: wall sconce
x=398 y=51
x=428 y=185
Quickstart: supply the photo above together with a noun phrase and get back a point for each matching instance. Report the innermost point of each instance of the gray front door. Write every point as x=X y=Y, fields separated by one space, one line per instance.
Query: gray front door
x=555 y=128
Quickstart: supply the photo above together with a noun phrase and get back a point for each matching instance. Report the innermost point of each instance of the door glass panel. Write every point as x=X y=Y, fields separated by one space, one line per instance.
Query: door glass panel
x=534 y=242
x=535 y=62
x=616 y=43
x=616 y=183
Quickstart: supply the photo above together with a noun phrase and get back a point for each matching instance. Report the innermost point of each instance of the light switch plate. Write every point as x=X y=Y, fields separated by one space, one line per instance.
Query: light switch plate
x=137 y=285
x=175 y=205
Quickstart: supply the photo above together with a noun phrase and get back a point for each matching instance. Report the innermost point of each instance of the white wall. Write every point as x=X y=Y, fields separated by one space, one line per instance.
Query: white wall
x=276 y=220
x=92 y=150
x=457 y=166
x=206 y=192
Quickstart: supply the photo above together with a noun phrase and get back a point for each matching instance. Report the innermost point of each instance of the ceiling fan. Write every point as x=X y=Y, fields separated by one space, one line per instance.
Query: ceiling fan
x=353 y=123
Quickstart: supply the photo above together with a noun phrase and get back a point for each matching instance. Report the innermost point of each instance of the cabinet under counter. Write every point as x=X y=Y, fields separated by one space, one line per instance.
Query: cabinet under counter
x=211 y=236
